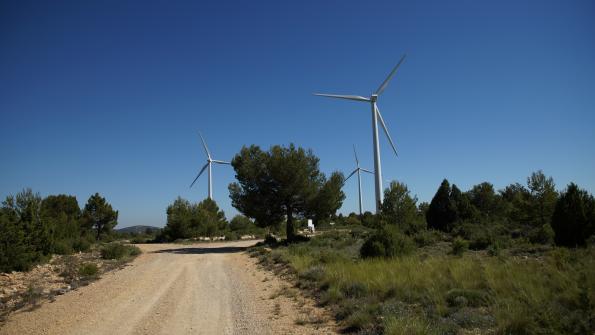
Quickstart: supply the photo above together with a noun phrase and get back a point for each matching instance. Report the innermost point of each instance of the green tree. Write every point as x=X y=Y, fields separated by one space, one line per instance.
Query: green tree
x=328 y=200
x=442 y=213
x=99 y=216
x=400 y=208
x=25 y=207
x=516 y=202
x=276 y=185
x=543 y=198
x=210 y=219
x=15 y=253
x=62 y=214
x=179 y=215
x=462 y=204
x=240 y=223
x=485 y=199
x=572 y=220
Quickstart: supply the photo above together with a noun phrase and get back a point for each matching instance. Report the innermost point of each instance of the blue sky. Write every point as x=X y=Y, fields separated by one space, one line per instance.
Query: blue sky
x=109 y=96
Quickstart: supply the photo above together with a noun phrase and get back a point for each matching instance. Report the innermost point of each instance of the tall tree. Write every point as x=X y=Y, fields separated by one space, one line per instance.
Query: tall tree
x=278 y=184
x=99 y=215
x=442 y=213
x=179 y=215
x=400 y=208
x=328 y=200
x=62 y=214
x=211 y=220
x=572 y=220
x=543 y=198
x=485 y=199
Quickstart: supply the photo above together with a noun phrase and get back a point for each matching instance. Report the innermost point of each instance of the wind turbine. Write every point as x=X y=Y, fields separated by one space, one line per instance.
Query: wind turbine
x=375 y=117
x=210 y=161
x=359 y=178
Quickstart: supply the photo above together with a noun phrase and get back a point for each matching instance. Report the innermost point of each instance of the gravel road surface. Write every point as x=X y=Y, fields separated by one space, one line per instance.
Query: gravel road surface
x=208 y=288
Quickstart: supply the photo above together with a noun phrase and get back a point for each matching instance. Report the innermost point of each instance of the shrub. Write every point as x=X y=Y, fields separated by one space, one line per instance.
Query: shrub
x=118 y=251
x=62 y=248
x=542 y=235
x=81 y=245
x=88 y=270
x=459 y=246
x=387 y=242
x=270 y=240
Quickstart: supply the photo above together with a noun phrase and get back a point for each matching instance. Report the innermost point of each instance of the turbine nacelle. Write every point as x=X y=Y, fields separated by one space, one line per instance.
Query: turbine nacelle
x=374 y=97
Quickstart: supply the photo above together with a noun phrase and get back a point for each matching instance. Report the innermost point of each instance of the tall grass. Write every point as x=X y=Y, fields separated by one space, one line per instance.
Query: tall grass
x=553 y=293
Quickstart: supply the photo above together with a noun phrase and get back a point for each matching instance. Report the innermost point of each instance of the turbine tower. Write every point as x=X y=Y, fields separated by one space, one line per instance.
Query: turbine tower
x=375 y=117
x=210 y=161
x=358 y=170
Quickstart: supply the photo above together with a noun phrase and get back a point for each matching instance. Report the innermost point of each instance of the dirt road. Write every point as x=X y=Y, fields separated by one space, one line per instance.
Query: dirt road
x=179 y=289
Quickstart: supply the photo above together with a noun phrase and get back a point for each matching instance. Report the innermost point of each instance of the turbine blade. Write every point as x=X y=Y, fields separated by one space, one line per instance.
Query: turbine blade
x=386 y=130
x=204 y=144
x=355 y=153
x=366 y=170
x=348 y=97
x=220 y=162
x=352 y=173
x=201 y=171
x=390 y=76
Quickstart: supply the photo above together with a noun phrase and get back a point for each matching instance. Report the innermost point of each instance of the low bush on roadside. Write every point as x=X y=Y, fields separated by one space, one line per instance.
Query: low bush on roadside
x=387 y=242
x=119 y=251
x=88 y=270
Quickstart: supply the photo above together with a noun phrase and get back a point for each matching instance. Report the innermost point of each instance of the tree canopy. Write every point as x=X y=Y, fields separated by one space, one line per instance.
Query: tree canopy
x=275 y=185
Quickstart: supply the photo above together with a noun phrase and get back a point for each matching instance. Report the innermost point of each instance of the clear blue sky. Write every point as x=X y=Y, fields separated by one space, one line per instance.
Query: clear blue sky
x=109 y=96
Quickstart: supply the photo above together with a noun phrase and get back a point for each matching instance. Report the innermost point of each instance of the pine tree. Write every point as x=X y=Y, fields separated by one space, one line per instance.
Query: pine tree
x=442 y=213
x=572 y=219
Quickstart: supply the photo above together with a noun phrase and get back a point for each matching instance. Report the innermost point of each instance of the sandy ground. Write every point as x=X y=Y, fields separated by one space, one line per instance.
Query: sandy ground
x=211 y=288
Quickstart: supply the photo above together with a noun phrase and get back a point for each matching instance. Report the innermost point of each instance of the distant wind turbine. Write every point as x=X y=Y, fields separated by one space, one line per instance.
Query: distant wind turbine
x=210 y=161
x=358 y=170
x=375 y=117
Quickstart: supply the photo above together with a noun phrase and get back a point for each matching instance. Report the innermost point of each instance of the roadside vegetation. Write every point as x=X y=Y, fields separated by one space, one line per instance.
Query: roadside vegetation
x=516 y=261
x=49 y=246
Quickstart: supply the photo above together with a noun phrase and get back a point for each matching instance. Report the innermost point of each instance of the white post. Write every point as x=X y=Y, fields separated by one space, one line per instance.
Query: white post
x=359 y=184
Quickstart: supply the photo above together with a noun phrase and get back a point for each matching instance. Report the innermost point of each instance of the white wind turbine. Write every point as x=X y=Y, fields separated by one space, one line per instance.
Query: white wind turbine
x=375 y=117
x=210 y=161
x=358 y=170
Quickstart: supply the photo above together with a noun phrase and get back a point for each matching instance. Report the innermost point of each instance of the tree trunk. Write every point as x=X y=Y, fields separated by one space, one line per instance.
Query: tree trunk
x=290 y=231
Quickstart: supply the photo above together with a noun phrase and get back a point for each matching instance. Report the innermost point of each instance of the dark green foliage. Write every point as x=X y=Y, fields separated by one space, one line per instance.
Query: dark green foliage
x=442 y=213
x=24 y=237
x=274 y=186
x=99 y=216
x=573 y=217
x=118 y=251
x=387 y=242
x=459 y=246
x=484 y=198
x=543 y=198
x=186 y=220
x=31 y=229
x=400 y=208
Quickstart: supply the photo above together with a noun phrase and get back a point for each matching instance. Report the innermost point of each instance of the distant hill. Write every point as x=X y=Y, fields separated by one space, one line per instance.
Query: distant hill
x=137 y=229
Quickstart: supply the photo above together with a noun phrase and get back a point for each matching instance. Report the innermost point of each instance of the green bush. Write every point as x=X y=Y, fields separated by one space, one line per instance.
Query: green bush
x=387 y=242
x=542 y=235
x=459 y=246
x=63 y=248
x=118 y=251
x=88 y=270
x=81 y=245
